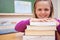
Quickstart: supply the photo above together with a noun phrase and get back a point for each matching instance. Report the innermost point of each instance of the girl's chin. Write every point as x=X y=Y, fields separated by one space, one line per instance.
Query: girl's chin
x=42 y=17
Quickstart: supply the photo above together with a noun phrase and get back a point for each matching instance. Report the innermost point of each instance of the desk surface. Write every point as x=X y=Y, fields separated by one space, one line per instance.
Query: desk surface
x=12 y=36
x=17 y=36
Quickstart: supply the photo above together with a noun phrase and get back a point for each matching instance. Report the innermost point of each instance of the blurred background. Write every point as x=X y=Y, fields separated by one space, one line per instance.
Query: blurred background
x=13 y=11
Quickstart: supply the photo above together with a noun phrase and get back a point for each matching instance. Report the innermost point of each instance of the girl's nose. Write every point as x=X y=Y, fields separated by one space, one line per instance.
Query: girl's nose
x=43 y=12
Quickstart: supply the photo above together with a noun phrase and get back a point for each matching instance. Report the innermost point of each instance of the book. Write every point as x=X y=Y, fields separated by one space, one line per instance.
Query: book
x=43 y=23
x=39 y=32
x=38 y=37
x=32 y=27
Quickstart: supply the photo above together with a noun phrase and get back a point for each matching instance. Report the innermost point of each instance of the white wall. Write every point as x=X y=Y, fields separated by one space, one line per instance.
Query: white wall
x=58 y=8
x=55 y=2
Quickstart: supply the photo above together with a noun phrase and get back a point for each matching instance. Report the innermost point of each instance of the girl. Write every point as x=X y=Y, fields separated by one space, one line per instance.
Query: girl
x=43 y=10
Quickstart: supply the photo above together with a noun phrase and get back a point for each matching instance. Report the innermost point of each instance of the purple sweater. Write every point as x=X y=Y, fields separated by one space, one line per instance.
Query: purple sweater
x=21 y=26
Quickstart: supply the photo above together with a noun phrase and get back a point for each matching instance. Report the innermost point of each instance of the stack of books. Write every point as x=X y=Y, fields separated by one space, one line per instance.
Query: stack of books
x=40 y=31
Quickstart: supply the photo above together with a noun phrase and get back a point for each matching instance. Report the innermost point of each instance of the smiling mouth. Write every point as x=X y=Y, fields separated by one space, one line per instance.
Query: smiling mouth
x=43 y=15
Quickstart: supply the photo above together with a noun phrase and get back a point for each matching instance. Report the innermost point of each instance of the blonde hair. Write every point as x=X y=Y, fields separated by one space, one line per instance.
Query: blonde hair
x=51 y=8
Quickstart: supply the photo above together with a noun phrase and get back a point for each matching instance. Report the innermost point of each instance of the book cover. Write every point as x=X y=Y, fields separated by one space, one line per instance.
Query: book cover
x=32 y=27
x=38 y=37
x=39 y=32
x=43 y=23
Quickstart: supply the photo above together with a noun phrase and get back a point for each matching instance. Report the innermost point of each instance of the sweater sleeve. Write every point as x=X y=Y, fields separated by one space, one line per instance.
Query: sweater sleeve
x=58 y=27
x=22 y=25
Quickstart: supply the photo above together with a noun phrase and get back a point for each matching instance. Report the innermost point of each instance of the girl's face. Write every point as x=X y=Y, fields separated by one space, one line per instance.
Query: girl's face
x=42 y=9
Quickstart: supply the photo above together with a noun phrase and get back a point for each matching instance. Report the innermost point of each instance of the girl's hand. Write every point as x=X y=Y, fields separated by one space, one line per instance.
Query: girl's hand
x=45 y=20
x=41 y=20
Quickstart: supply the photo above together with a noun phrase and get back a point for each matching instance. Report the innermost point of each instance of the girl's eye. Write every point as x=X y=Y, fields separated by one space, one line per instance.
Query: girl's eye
x=39 y=9
x=46 y=9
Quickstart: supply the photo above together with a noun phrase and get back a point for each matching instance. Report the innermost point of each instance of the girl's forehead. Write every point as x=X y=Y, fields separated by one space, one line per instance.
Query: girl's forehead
x=43 y=3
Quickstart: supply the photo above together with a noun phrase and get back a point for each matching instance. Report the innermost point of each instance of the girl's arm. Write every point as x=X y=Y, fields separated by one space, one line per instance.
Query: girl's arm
x=58 y=27
x=22 y=25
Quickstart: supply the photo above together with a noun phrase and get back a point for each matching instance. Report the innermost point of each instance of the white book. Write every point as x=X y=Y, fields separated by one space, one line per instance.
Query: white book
x=43 y=23
x=39 y=37
x=32 y=27
x=39 y=32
